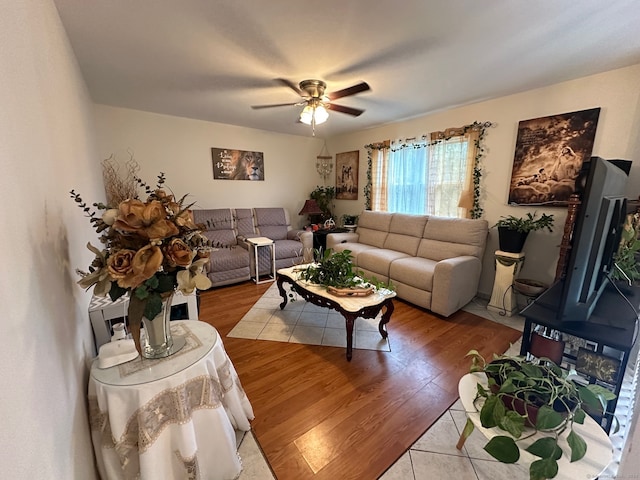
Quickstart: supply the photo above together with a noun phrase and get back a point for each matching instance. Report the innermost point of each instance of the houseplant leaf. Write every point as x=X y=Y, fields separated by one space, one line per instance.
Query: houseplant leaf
x=492 y=411
x=503 y=448
x=513 y=423
x=546 y=447
x=578 y=446
x=548 y=418
x=543 y=469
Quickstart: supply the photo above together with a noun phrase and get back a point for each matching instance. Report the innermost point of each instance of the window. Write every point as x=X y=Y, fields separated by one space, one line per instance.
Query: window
x=438 y=176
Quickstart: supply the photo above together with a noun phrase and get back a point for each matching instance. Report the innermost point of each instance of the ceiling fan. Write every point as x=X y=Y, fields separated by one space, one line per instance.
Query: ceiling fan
x=316 y=102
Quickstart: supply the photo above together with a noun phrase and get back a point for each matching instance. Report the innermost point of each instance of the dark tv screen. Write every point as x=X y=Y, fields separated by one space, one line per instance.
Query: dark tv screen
x=595 y=237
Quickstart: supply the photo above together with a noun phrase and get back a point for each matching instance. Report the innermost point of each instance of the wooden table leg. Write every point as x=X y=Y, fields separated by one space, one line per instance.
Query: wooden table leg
x=350 y=320
x=283 y=293
x=386 y=316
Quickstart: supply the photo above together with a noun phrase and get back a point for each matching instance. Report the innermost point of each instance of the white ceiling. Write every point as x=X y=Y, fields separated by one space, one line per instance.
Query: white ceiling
x=213 y=59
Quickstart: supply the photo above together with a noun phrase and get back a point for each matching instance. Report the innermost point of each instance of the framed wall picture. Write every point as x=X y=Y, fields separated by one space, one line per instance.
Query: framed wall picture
x=347 y=175
x=548 y=157
x=230 y=164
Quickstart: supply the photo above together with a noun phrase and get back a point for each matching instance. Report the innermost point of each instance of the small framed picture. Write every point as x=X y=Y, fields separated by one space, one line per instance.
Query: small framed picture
x=347 y=175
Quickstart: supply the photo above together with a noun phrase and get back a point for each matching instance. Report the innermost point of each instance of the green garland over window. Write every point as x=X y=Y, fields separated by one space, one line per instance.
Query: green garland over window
x=481 y=127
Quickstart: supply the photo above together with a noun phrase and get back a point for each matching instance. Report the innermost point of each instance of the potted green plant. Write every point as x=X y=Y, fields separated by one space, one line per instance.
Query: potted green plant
x=349 y=220
x=524 y=398
x=626 y=257
x=513 y=231
x=324 y=198
x=335 y=269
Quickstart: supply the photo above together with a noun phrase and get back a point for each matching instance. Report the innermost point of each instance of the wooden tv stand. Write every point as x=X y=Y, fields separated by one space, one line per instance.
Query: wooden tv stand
x=612 y=325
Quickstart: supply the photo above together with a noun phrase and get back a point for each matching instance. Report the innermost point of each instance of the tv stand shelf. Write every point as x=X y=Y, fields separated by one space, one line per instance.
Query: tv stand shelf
x=612 y=325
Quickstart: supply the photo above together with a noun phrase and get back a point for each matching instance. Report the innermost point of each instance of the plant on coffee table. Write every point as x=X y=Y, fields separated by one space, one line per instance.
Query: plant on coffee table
x=335 y=269
x=539 y=395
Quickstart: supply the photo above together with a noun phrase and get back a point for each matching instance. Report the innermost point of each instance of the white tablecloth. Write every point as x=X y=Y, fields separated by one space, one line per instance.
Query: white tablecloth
x=172 y=418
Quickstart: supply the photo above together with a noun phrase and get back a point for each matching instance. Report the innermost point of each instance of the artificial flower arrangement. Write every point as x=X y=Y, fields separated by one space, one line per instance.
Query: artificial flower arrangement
x=150 y=249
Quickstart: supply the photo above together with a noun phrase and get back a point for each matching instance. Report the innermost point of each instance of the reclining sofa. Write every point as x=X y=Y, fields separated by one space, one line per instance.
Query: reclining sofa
x=433 y=262
x=228 y=228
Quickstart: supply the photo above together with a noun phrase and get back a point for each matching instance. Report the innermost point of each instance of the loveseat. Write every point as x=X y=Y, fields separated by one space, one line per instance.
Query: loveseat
x=228 y=228
x=433 y=262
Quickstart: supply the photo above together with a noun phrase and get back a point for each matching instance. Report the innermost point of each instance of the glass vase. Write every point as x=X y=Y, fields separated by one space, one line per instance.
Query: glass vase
x=158 y=341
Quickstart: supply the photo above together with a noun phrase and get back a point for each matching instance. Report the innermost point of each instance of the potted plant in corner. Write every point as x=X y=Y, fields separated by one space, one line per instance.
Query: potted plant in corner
x=349 y=221
x=513 y=231
x=523 y=398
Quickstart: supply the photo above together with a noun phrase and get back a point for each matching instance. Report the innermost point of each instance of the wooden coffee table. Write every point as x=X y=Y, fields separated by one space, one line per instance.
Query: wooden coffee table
x=350 y=307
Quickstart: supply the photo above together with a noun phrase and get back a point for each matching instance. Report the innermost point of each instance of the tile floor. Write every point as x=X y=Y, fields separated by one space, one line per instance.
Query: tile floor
x=434 y=455
x=303 y=322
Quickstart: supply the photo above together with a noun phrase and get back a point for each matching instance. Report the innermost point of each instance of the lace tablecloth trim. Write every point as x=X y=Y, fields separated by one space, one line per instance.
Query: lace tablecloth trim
x=172 y=406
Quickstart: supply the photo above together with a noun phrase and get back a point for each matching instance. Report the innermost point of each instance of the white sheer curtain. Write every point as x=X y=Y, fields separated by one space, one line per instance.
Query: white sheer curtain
x=425 y=177
x=447 y=173
x=407 y=174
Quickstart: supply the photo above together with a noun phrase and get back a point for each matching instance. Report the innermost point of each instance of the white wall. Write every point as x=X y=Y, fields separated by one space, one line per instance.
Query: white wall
x=181 y=148
x=46 y=148
x=616 y=92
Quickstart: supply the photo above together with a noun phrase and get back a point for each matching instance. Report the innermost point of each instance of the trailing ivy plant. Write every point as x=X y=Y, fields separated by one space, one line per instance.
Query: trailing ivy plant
x=515 y=385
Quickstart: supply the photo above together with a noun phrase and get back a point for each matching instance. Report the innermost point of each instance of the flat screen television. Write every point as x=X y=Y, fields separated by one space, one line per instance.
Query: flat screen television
x=595 y=237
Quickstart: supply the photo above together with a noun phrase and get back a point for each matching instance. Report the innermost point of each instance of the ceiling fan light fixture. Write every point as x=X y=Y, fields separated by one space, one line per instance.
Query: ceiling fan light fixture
x=314 y=114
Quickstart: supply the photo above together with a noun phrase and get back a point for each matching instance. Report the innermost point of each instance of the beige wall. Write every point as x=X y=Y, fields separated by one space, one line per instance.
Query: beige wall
x=46 y=149
x=616 y=92
x=181 y=148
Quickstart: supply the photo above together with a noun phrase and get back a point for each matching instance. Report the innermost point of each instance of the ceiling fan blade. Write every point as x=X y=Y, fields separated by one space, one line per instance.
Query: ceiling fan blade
x=258 y=107
x=361 y=87
x=342 y=109
x=291 y=85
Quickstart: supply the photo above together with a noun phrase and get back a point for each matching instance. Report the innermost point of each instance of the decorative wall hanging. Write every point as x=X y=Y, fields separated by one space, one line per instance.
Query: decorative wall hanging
x=347 y=175
x=324 y=163
x=548 y=157
x=231 y=164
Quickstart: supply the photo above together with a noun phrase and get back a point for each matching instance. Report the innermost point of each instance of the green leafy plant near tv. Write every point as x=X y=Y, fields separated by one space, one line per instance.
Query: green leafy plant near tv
x=626 y=257
x=524 y=398
x=513 y=231
x=526 y=224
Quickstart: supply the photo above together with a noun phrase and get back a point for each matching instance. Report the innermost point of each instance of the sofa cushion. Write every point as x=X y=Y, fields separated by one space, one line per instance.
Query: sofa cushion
x=414 y=271
x=288 y=249
x=355 y=248
x=373 y=227
x=224 y=259
x=219 y=225
x=271 y=223
x=405 y=233
x=378 y=260
x=244 y=222
x=453 y=237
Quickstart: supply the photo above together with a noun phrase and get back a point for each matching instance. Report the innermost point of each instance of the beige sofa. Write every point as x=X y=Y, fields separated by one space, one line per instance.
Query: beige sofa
x=433 y=262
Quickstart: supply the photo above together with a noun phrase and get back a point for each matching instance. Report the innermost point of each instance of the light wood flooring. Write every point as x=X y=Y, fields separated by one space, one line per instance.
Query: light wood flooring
x=321 y=417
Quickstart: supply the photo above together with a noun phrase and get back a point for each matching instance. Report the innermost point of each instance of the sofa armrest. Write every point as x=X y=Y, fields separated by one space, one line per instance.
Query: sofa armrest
x=307 y=246
x=455 y=283
x=294 y=234
x=334 y=239
x=242 y=241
